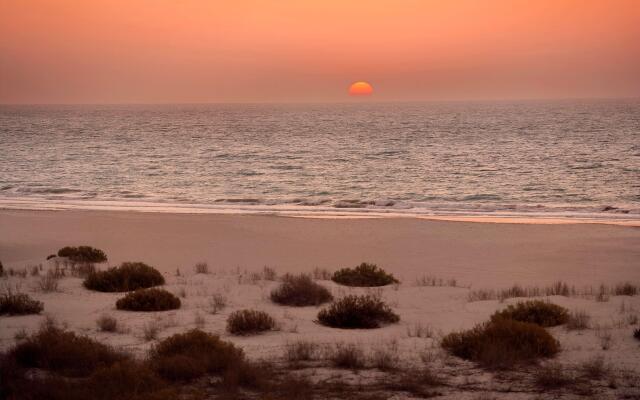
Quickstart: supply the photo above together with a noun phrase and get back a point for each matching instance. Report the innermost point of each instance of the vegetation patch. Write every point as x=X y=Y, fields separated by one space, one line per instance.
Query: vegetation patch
x=300 y=290
x=364 y=275
x=502 y=343
x=55 y=349
x=128 y=276
x=536 y=312
x=190 y=355
x=83 y=254
x=148 y=300
x=249 y=322
x=636 y=334
x=353 y=312
x=19 y=304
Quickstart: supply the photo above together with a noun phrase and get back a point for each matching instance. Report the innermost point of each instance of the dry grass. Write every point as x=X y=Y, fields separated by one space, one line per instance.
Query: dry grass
x=421 y=331
x=347 y=356
x=552 y=376
x=577 y=320
x=201 y=268
x=300 y=350
x=601 y=293
x=321 y=274
x=432 y=281
x=385 y=356
x=594 y=368
x=107 y=323
x=199 y=320
x=150 y=330
x=49 y=282
x=217 y=302
x=249 y=322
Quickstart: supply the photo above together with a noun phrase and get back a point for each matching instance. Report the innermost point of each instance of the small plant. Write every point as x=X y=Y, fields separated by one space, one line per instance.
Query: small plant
x=128 y=276
x=353 y=312
x=349 y=356
x=217 y=302
x=152 y=299
x=300 y=290
x=190 y=355
x=83 y=254
x=364 y=275
x=300 y=351
x=49 y=282
x=385 y=357
x=502 y=343
x=150 y=330
x=19 y=304
x=201 y=268
x=577 y=320
x=249 y=322
x=536 y=312
x=107 y=323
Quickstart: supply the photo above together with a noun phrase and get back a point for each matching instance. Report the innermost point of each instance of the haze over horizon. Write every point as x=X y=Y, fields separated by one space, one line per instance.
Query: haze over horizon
x=198 y=51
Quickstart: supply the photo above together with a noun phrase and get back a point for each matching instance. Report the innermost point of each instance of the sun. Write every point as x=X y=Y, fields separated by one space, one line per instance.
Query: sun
x=360 y=88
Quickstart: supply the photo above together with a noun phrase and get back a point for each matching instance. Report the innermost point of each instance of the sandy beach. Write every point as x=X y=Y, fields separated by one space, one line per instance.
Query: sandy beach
x=477 y=254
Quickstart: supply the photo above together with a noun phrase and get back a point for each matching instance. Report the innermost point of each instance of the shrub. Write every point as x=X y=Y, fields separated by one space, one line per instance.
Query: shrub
x=107 y=323
x=148 y=300
x=502 y=343
x=19 y=304
x=299 y=291
x=536 y=312
x=248 y=322
x=594 y=368
x=626 y=289
x=189 y=355
x=64 y=352
x=577 y=320
x=636 y=334
x=353 y=312
x=128 y=276
x=551 y=376
x=217 y=302
x=83 y=254
x=300 y=351
x=364 y=275
x=348 y=356
x=201 y=268
x=150 y=330
x=49 y=282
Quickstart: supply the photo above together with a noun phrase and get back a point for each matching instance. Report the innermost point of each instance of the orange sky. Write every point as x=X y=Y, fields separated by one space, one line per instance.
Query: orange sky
x=157 y=51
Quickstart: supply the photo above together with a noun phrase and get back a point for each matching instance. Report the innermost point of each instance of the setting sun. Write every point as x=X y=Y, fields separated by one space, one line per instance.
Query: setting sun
x=360 y=89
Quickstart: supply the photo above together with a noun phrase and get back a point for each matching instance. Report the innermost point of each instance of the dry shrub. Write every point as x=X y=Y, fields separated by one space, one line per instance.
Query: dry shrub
x=19 y=304
x=300 y=290
x=217 y=303
x=364 y=275
x=83 y=270
x=190 y=355
x=536 y=312
x=54 y=349
x=199 y=320
x=636 y=333
x=594 y=368
x=49 y=282
x=419 y=383
x=150 y=330
x=300 y=351
x=348 y=356
x=321 y=274
x=201 y=268
x=626 y=289
x=502 y=343
x=385 y=357
x=577 y=320
x=249 y=322
x=128 y=276
x=148 y=300
x=420 y=331
x=107 y=323
x=353 y=312
x=83 y=254
x=552 y=376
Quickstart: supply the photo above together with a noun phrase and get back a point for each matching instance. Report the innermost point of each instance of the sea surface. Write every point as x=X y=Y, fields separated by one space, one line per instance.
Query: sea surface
x=576 y=159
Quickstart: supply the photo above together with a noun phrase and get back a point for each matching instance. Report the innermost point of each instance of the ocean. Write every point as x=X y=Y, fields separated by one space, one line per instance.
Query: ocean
x=575 y=159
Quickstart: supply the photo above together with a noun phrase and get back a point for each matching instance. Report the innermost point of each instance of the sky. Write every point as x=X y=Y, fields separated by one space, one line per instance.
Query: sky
x=195 y=51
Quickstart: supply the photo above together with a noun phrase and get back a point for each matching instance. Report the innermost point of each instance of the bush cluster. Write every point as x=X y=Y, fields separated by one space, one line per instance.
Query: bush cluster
x=152 y=299
x=300 y=290
x=19 y=304
x=128 y=276
x=248 y=322
x=364 y=275
x=190 y=355
x=83 y=254
x=536 y=312
x=501 y=343
x=353 y=311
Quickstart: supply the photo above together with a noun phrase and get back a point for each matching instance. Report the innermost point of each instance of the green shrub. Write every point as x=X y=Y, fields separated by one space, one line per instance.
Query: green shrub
x=364 y=275
x=249 y=322
x=148 y=300
x=501 y=343
x=299 y=291
x=83 y=254
x=536 y=312
x=19 y=304
x=352 y=312
x=128 y=276
x=190 y=355
x=57 y=350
